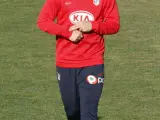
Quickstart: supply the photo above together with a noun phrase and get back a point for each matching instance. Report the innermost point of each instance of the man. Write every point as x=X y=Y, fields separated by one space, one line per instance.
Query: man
x=80 y=47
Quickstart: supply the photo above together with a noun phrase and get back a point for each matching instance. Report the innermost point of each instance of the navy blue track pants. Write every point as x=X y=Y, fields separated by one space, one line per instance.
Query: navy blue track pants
x=80 y=90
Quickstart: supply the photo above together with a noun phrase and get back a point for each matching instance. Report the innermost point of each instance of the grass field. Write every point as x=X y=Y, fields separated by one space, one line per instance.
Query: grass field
x=28 y=86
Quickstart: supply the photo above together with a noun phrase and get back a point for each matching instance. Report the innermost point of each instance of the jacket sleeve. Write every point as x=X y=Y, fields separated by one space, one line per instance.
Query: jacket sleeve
x=111 y=23
x=46 y=17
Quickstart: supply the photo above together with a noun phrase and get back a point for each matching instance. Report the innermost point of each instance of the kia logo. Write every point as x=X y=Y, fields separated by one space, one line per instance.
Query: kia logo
x=79 y=16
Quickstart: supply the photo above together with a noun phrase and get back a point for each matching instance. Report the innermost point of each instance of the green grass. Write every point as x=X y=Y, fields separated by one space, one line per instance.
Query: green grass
x=28 y=86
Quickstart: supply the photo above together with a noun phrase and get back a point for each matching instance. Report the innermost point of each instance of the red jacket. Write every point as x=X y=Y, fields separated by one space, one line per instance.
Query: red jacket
x=104 y=16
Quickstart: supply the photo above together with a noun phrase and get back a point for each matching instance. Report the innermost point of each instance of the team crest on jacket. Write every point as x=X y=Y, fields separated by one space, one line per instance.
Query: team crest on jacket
x=96 y=2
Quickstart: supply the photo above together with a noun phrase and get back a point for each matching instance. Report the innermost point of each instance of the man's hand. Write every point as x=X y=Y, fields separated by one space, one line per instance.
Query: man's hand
x=76 y=36
x=82 y=26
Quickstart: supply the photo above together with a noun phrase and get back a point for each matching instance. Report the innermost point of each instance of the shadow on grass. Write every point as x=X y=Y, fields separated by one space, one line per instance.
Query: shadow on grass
x=100 y=117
